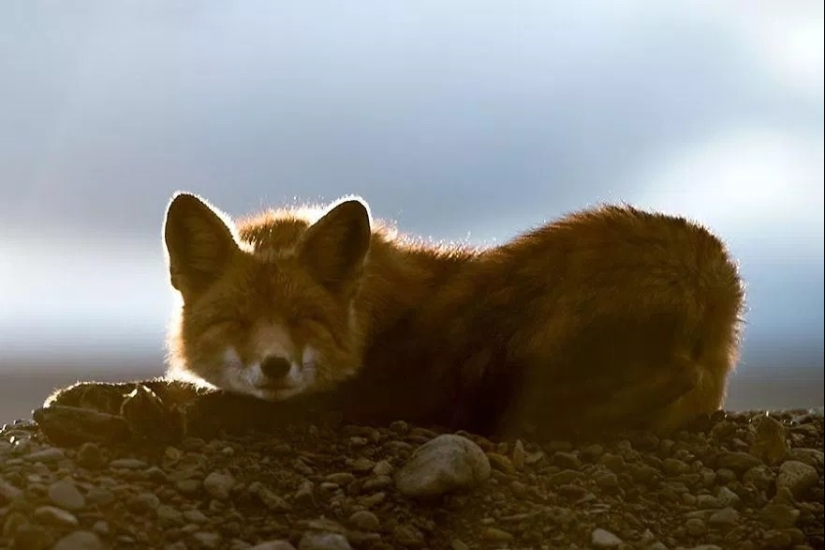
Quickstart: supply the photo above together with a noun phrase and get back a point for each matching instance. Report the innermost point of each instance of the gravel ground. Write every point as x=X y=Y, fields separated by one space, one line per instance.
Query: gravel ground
x=734 y=480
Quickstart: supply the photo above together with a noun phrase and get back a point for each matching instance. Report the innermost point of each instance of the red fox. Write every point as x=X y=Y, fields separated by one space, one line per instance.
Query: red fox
x=607 y=318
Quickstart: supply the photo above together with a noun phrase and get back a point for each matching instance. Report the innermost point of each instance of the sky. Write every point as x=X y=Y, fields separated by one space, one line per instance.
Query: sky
x=459 y=120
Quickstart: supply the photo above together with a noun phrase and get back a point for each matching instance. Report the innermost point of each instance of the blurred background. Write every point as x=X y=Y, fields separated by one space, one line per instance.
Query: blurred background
x=463 y=120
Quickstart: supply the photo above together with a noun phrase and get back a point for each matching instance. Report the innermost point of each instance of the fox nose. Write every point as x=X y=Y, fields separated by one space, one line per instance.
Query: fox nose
x=275 y=367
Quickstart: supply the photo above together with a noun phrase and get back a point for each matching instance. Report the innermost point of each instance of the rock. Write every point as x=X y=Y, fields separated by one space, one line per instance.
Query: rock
x=567 y=461
x=49 y=455
x=494 y=534
x=724 y=517
x=312 y=540
x=365 y=521
x=811 y=457
x=273 y=545
x=79 y=540
x=796 y=476
x=207 y=539
x=445 y=463
x=770 y=444
x=407 y=535
x=382 y=468
x=760 y=477
x=8 y=492
x=739 y=462
x=601 y=538
x=501 y=463
x=52 y=515
x=675 y=467
x=696 y=526
x=169 y=515
x=726 y=497
x=32 y=537
x=195 y=516
x=64 y=494
x=607 y=480
x=127 y=464
x=218 y=485
x=779 y=515
x=90 y=456
x=519 y=455
x=274 y=502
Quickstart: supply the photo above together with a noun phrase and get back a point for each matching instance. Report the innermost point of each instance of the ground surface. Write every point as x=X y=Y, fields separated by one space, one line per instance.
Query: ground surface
x=734 y=481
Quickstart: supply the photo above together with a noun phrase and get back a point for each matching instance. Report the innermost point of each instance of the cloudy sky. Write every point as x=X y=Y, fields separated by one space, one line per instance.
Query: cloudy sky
x=460 y=120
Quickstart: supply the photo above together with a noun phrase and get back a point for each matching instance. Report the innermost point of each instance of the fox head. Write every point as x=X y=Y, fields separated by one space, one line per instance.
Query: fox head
x=266 y=306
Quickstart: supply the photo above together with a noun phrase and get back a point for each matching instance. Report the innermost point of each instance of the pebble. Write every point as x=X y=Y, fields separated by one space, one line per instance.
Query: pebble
x=407 y=535
x=168 y=514
x=49 y=455
x=738 y=461
x=796 y=476
x=382 y=468
x=494 y=534
x=724 y=517
x=601 y=538
x=64 y=494
x=127 y=464
x=501 y=463
x=218 y=485
x=519 y=455
x=53 y=515
x=811 y=457
x=443 y=464
x=780 y=515
x=273 y=501
x=312 y=540
x=760 y=477
x=90 y=456
x=567 y=460
x=207 y=539
x=8 y=491
x=695 y=526
x=273 y=545
x=79 y=540
x=195 y=516
x=726 y=497
x=365 y=521
x=770 y=443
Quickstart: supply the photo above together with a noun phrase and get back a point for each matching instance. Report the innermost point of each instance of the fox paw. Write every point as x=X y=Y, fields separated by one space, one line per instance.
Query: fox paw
x=111 y=413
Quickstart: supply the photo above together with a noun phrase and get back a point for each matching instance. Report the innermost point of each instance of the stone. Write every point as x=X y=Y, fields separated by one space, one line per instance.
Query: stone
x=797 y=476
x=601 y=538
x=218 y=485
x=79 y=540
x=445 y=463
x=312 y=540
x=64 y=494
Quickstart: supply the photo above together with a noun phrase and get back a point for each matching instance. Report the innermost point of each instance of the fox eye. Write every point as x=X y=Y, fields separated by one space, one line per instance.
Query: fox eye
x=311 y=317
x=225 y=323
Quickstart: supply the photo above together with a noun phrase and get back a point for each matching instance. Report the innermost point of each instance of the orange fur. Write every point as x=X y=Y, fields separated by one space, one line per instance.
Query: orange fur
x=607 y=318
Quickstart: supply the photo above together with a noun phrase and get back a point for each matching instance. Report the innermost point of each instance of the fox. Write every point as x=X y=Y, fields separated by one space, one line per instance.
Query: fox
x=610 y=317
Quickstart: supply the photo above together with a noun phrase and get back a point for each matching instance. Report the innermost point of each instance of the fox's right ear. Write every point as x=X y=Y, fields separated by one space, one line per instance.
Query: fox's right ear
x=334 y=247
x=199 y=243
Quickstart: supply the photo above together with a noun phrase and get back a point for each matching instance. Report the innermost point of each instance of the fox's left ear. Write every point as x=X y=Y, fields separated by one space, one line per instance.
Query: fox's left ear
x=334 y=247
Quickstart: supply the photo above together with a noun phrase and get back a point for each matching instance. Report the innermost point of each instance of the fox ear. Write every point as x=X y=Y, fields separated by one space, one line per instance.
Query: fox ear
x=334 y=247
x=199 y=243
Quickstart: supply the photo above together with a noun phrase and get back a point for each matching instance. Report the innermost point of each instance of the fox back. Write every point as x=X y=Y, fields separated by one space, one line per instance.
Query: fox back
x=606 y=318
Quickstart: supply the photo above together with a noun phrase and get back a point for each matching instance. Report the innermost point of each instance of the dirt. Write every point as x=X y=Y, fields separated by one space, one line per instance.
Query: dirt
x=733 y=480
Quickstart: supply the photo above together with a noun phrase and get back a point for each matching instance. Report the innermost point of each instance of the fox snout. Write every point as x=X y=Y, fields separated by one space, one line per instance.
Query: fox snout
x=275 y=368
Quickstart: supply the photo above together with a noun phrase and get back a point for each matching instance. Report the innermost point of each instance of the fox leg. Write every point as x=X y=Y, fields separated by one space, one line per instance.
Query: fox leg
x=638 y=403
